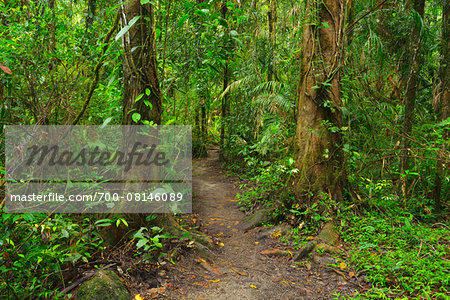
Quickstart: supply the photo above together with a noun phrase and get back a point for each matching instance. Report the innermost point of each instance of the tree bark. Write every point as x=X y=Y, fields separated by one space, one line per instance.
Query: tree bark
x=92 y=5
x=140 y=72
x=443 y=104
x=223 y=11
x=318 y=142
x=272 y=19
x=410 y=96
x=140 y=77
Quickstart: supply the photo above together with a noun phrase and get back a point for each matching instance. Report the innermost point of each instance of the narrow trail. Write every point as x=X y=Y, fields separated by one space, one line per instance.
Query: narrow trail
x=244 y=272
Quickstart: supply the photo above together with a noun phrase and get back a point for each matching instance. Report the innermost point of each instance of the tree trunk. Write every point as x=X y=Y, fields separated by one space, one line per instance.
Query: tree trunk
x=350 y=20
x=92 y=5
x=443 y=104
x=318 y=141
x=141 y=77
x=272 y=18
x=410 y=96
x=223 y=10
x=140 y=72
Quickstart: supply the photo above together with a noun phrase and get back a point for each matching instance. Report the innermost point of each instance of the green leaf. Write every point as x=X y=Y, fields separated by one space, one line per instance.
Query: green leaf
x=182 y=20
x=141 y=243
x=146 y=102
x=136 y=117
x=107 y=120
x=147 y=92
x=325 y=25
x=138 y=98
x=234 y=33
x=126 y=28
x=238 y=41
x=144 y=2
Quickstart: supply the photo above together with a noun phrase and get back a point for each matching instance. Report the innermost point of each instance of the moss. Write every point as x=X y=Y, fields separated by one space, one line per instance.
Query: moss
x=106 y=285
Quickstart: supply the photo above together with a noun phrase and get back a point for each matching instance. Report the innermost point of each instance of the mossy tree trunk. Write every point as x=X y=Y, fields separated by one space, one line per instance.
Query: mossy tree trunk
x=272 y=20
x=416 y=7
x=140 y=72
x=318 y=141
x=443 y=104
x=141 y=77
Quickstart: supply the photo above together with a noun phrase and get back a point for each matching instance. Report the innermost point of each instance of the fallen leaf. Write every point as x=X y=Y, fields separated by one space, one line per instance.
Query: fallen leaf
x=256 y=243
x=240 y=273
x=216 y=219
x=252 y=286
x=221 y=244
x=351 y=274
x=342 y=265
x=138 y=297
x=276 y=234
x=310 y=238
x=217 y=280
x=5 y=69
x=207 y=267
x=194 y=220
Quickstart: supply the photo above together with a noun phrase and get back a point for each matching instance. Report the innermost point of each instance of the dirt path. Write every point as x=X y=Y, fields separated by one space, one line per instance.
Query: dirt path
x=244 y=272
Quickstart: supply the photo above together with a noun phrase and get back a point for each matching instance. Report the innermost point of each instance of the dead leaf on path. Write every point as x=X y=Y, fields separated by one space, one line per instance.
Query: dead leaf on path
x=256 y=243
x=276 y=234
x=207 y=267
x=235 y=223
x=200 y=284
x=277 y=280
x=351 y=274
x=308 y=266
x=240 y=273
x=154 y=292
x=252 y=286
x=233 y=200
x=138 y=297
x=216 y=219
x=342 y=265
x=217 y=280
x=221 y=244
x=219 y=234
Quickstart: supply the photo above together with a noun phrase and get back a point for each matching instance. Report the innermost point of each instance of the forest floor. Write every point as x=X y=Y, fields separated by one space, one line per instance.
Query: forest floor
x=236 y=268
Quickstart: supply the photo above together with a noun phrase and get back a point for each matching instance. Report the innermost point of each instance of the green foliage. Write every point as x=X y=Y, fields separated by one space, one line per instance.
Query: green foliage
x=36 y=248
x=399 y=255
x=149 y=242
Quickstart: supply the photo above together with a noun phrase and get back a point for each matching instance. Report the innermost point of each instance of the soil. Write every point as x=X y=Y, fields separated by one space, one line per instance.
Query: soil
x=235 y=268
